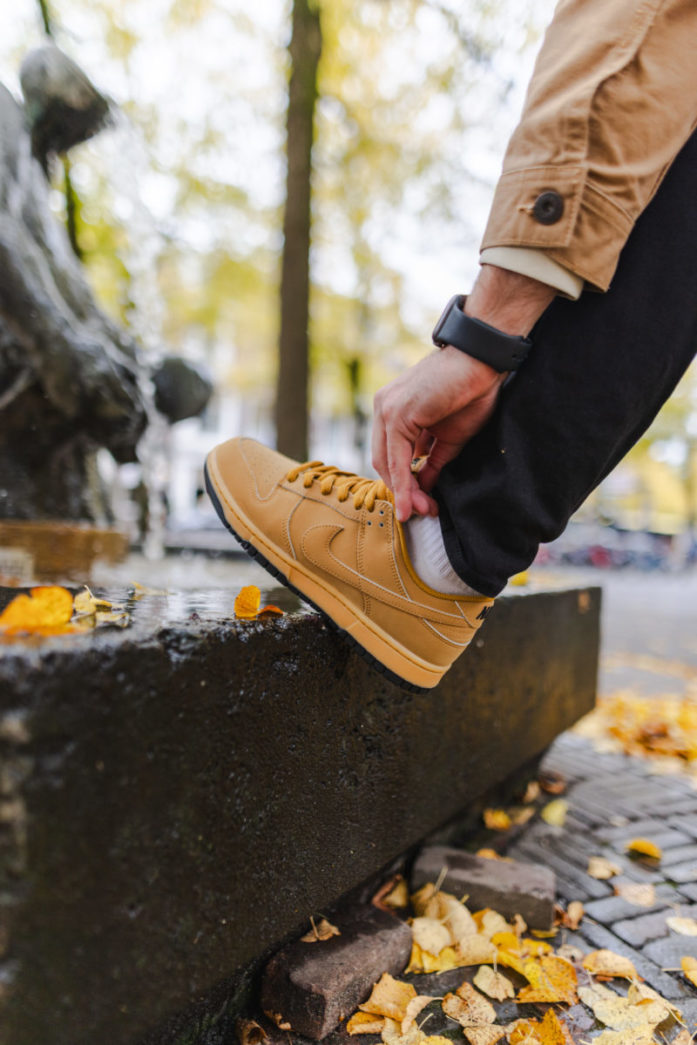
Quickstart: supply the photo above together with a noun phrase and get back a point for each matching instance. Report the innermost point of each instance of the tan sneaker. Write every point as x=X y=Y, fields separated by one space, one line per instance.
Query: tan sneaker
x=333 y=537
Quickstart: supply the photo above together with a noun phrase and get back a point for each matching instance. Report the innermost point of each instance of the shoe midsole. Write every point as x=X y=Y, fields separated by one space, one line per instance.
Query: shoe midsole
x=397 y=658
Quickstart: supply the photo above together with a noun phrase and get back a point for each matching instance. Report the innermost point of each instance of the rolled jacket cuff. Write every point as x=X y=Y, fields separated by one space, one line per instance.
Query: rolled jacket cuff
x=536 y=264
x=557 y=209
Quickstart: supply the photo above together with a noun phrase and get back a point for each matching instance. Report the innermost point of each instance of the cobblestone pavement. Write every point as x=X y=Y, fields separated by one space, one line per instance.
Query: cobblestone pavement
x=613 y=798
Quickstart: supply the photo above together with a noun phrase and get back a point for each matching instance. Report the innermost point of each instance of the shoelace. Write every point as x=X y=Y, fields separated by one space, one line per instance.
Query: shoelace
x=365 y=491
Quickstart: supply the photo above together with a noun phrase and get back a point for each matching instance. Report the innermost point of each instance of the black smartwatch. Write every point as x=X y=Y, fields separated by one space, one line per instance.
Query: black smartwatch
x=487 y=344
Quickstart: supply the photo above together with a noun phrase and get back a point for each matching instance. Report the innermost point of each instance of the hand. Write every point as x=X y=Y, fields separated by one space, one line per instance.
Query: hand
x=438 y=405
x=433 y=408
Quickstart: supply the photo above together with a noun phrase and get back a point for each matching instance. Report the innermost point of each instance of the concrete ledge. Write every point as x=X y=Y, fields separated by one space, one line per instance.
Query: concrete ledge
x=178 y=797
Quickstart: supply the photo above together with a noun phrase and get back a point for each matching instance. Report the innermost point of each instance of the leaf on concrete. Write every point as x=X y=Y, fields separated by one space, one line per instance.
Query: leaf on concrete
x=365 y=1023
x=46 y=611
x=468 y=1007
x=422 y=961
x=642 y=1035
x=489 y=922
x=639 y=993
x=552 y=782
x=496 y=819
x=430 y=934
x=391 y=1034
x=447 y=909
x=641 y=894
x=532 y=792
x=390 y=998
x=249 y=1032
x=689 y=968
x=601 y=867
x=488 y=1034
x=320 y=931
x=413 y=1009
x=393 y=894
x=491 y=854
x=87 y=604
x=571 y=917
x=551 y=979
x=248 y=604
x=476 y=950
x=278 y=1019
x=554 y=813
x=619 y=1013
x=606 y=965
x=495 y=984
x=644 y=847
x=684 y=926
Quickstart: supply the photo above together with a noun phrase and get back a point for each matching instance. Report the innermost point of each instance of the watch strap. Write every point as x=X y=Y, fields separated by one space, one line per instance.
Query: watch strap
x=501 y=351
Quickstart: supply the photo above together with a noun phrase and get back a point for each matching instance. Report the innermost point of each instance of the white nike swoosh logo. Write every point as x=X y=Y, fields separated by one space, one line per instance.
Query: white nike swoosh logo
x=316 y=545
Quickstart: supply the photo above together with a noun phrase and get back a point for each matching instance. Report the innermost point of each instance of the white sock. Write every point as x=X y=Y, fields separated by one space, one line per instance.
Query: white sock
x=429 y=557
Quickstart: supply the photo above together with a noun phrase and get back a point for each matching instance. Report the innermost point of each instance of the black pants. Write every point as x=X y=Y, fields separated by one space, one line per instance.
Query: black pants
x=599 y=371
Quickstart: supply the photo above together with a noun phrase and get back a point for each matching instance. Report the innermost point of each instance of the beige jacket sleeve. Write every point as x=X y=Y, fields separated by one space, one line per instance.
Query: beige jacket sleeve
x=612 y=100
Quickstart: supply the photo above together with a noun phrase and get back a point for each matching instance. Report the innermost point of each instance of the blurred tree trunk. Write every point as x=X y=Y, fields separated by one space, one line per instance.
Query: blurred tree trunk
x=293 y=370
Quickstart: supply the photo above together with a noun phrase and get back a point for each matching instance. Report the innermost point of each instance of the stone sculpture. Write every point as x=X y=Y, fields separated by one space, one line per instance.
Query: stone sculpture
x=70 y=378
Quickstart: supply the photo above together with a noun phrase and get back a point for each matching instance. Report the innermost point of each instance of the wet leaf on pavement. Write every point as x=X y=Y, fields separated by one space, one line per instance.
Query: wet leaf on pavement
x=495 y=984
x=644 y=847
x=601 y=867
x=606 y=965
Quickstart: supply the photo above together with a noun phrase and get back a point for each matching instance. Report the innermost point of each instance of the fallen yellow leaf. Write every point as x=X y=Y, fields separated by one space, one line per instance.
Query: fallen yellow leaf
x=454 y=915
x=641 y=992
x=554 y=813
x=475 y=950
x=389 y=997
x=413 y=1009
x=487 y=1034
x=468 y=1007
x=552 y=782
x=519 y=580
x=495 y=984
x=323 y=930
x=490 y=922
x=532 y=791
x=249 y=1032
x=684 y=926
x=248 y=603
x=391 y=1034
x=605 y=964
x=365 y=1023
x=571 y=917
x=430 y=934
x=395 y=895
x=551 y=979
x=422 y=961
x=46 y=611
x=641 y=1035
x=620 y=1013
x=491 y=854
x=496 y=819
x=641 y=894
x=601 y=867
x=644 y=847
x=689 y=968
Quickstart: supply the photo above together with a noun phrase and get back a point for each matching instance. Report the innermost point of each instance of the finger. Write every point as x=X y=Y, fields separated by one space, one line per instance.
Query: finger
x=423 y=444
x=423 y=504
x=400 y=451
x=440 y=455
x=379 y=446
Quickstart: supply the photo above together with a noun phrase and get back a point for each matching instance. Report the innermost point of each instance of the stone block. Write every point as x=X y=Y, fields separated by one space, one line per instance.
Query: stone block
x=313 y=986
x=509 y=888
x=187 y=792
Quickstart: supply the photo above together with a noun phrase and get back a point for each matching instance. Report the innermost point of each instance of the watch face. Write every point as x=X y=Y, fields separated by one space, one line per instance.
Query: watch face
x=441 y=322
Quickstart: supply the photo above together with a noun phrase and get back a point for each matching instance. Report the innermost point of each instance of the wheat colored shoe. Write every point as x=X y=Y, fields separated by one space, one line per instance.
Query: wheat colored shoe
x=333 y=537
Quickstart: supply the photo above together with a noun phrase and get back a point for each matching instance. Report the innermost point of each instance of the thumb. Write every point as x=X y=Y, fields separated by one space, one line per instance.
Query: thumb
x=441 y=453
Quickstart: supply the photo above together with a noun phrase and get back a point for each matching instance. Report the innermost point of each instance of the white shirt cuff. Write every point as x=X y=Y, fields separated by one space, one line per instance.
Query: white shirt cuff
x=537 y=264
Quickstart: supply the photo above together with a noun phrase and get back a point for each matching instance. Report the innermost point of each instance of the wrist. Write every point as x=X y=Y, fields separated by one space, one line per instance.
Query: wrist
x=507 y=300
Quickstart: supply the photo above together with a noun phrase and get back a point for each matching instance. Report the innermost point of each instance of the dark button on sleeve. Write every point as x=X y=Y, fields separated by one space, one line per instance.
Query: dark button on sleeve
x=548 y=207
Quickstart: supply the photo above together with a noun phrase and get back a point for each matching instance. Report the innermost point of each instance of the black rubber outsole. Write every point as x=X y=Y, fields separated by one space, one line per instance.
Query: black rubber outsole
x=254 y=553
